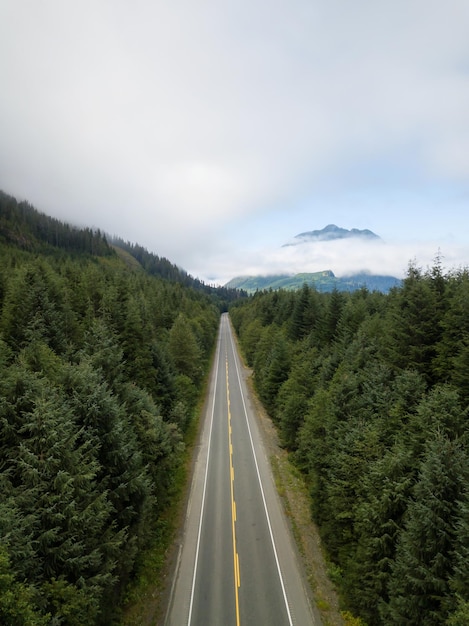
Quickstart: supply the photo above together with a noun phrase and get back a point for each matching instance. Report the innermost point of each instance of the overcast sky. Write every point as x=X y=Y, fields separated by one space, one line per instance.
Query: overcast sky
x=212 y=132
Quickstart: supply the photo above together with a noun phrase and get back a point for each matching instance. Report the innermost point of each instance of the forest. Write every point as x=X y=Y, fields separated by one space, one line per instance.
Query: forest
x=104 y=349
x=369 y=393
x=101 y=369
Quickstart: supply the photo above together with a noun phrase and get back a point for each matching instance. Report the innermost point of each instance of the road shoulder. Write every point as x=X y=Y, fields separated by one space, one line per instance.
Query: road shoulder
x=296 y=503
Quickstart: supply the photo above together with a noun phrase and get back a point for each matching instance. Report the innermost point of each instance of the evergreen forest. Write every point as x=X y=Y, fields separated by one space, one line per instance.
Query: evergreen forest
x=102 y=364
x=104 y=350
x=370 y=395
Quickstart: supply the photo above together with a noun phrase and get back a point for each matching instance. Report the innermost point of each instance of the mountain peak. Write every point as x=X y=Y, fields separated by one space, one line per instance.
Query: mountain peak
x=331 y=232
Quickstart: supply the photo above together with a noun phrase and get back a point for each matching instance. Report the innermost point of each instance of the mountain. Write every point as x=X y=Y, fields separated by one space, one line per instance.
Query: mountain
x=332 y=232
x=322 y=281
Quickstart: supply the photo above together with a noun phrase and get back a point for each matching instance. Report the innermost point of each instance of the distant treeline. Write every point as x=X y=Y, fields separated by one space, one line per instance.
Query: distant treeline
x=24 y=226
x=159 y=266
x=101 y=368
x=370 y=394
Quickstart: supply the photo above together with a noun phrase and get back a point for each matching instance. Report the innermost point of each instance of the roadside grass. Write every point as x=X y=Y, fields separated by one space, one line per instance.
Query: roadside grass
x=323 y=576
x=293 y=492
x=296 y=501
x=350 y=620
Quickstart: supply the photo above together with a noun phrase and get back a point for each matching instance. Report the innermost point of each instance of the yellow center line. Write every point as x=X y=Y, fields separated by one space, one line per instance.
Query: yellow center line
x=237 y=579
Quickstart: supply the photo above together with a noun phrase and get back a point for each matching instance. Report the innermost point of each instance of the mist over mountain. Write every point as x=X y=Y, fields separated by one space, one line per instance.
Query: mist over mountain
x=313 y=247
x=332 y=232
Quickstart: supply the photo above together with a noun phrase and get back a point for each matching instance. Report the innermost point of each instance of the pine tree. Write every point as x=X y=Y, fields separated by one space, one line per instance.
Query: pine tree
x=276 y=369
x=419 y=588
x=416 y=325
x=122 y=474
x=331 y=319
x=34 y=308
x=184 y=349
x=301 y=320
x=17 y=600
x=385 y=495
x=65 y=518
x=460 y=579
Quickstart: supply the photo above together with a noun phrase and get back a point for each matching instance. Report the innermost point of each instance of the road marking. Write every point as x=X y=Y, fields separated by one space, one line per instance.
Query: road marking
x=237 y=581
x=274 y=548
x=199 y=533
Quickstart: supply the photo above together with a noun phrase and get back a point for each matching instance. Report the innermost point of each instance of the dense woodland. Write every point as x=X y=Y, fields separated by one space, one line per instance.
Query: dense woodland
x=370 y=395
x=103 y=353
x=101 y=368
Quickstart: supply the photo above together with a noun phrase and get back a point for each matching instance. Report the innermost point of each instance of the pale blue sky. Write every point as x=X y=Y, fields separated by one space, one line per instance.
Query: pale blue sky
x=213 y=132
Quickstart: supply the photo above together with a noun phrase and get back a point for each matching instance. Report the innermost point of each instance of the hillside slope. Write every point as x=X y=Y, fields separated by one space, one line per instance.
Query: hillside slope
x=101 y=368
x=322 y=281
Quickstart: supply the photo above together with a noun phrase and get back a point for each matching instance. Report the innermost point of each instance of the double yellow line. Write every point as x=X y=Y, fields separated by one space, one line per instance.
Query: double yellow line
x=237 y=580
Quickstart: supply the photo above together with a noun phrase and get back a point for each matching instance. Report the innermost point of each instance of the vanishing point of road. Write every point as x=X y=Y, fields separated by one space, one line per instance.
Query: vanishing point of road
x=237 y=564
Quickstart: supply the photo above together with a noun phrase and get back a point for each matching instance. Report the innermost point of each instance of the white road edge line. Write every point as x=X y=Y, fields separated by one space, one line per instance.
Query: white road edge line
x=205 y=483
x=260 y=485
x=173 y=585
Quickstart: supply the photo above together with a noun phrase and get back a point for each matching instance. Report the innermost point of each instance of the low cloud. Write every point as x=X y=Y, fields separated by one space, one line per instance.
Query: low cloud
x=343 y=257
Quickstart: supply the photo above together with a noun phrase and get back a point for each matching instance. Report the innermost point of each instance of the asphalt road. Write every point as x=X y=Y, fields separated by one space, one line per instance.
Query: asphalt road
x=237 y=564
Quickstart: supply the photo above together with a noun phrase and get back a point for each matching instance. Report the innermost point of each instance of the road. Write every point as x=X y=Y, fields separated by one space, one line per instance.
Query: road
x=237 y=565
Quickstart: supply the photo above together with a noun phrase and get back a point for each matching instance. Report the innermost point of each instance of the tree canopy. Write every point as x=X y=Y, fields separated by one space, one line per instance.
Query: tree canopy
x=101 y=368
x=369 y=393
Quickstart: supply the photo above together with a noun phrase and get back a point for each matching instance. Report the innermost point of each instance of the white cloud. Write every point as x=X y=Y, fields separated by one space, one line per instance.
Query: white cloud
x=167 y=122
x=343 y=257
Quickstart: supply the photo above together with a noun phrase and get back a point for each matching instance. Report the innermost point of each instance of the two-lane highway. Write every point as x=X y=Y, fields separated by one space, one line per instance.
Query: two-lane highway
x=237 y=565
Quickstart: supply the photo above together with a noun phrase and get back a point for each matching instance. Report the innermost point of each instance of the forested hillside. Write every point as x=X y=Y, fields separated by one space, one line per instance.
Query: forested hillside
x=101 y=367
x=370 y=395
x=161 y=267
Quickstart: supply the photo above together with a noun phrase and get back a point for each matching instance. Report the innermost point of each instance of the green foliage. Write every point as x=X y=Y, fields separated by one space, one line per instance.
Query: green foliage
x=101 y=368
x=184 y=348
x=460 y=578
x=17 y=600
x=460 y=617
x=162 y=268
x=24 y=226
x=424 y=563
x=305 y=314
x=324 y=281
x=369 y=392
